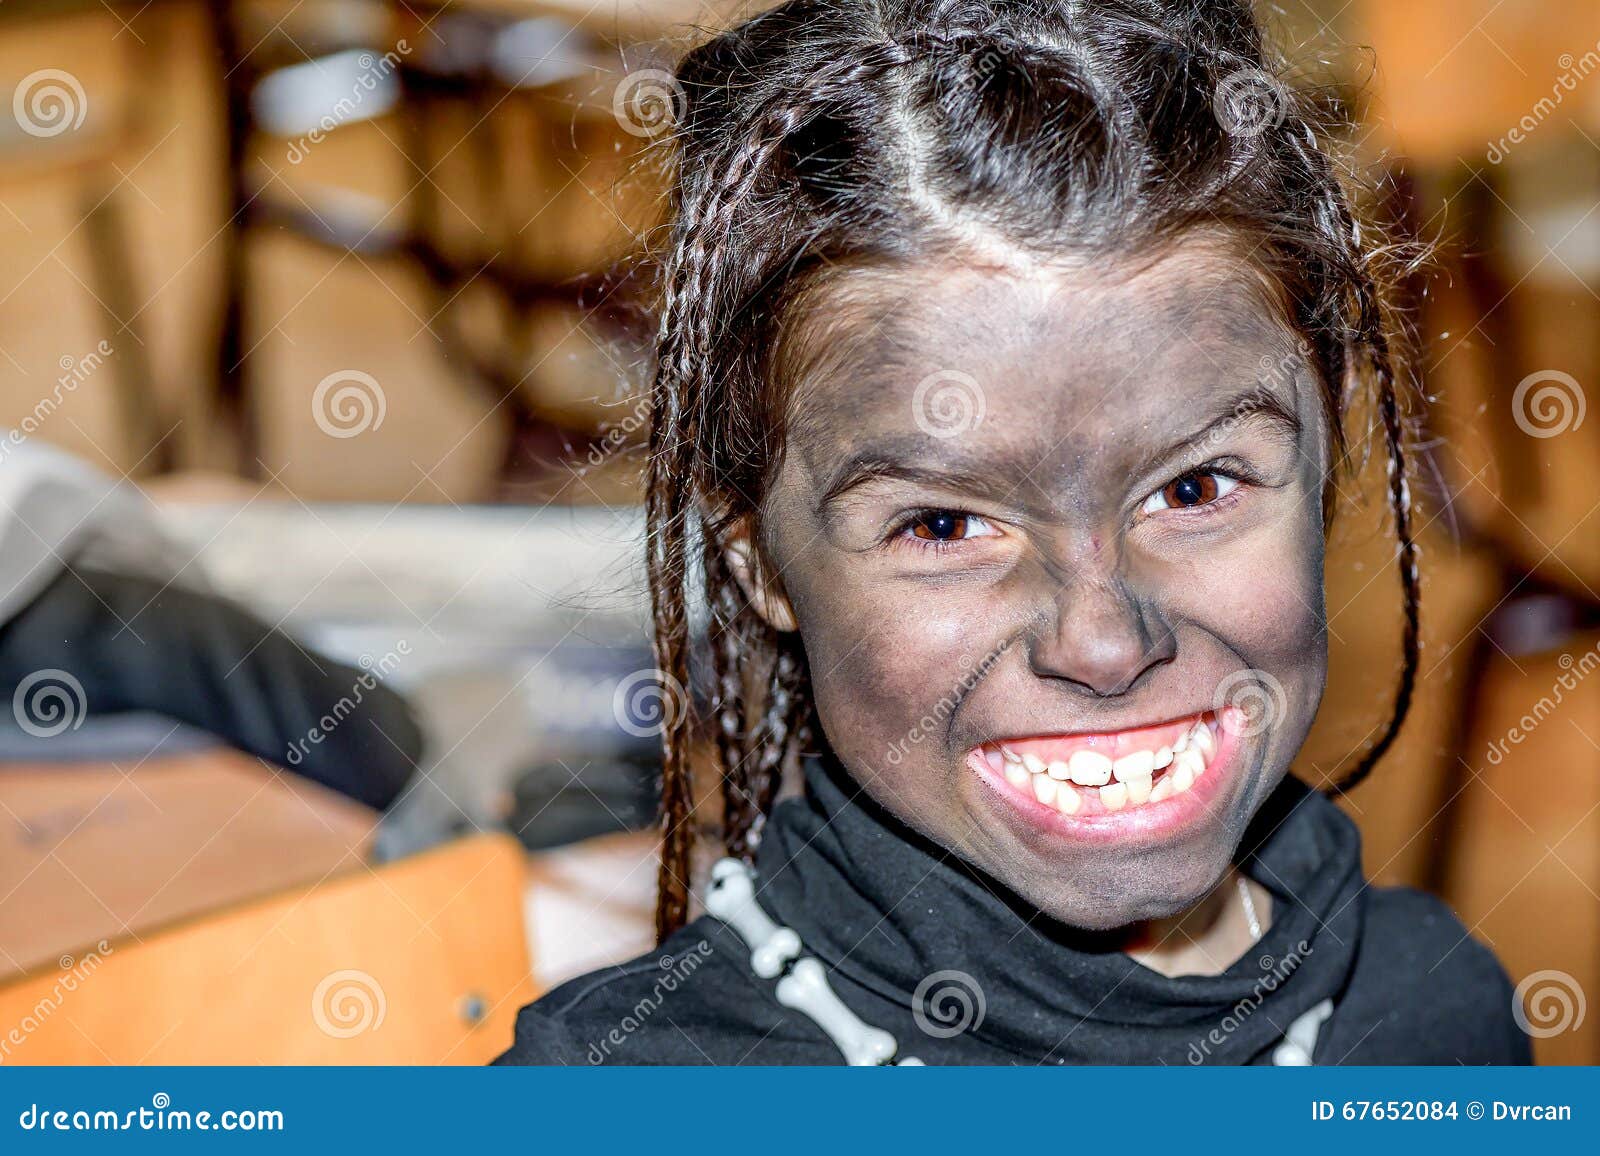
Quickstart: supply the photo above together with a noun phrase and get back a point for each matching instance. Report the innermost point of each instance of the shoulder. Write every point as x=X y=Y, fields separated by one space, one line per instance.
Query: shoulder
x=693 y=1000
x=1433 y=992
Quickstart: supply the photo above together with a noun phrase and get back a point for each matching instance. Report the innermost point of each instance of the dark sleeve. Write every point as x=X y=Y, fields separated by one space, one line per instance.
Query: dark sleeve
x=1444 y=993
x=135 y=644
x=543 y=1039
x=691 y=1001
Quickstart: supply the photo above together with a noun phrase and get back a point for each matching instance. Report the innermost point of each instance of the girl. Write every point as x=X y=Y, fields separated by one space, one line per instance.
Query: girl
x=1005 y=355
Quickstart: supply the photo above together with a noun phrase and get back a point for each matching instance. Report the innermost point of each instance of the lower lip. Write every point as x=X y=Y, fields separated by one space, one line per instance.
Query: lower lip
x=1146 y=823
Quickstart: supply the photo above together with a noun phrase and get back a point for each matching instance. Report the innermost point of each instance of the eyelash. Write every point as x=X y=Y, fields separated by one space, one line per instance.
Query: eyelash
x=1238 y=474
x=1234 y=472
x=901 y=533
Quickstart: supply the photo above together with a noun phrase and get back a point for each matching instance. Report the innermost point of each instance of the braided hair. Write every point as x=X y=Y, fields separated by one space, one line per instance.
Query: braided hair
x=828 y=134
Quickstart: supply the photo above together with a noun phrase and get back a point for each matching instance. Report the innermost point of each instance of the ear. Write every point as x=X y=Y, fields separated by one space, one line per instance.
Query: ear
x=762 y=588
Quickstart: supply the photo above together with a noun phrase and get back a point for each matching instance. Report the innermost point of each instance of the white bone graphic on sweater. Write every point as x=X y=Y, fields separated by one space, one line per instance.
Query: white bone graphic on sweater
x=806 y=989
x=1301 y=1038
x=732 y=899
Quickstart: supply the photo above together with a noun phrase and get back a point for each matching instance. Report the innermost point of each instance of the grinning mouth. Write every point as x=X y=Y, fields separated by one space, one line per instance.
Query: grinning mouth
x=1099 y=773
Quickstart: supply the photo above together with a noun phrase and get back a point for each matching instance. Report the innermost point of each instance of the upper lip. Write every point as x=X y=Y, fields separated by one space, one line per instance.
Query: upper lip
x=1088 y=733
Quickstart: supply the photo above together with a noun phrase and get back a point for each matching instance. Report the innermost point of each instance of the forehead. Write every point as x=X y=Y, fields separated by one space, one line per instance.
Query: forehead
x=1051 y=354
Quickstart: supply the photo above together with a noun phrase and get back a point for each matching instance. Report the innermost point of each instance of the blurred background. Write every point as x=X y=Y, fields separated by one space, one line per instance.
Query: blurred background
x=324 y=423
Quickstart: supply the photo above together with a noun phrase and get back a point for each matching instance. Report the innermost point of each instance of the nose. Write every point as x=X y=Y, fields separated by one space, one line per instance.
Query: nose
x=1097 y=636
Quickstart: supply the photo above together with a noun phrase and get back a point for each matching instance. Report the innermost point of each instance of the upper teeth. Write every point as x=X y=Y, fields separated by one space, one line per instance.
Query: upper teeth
x=1139 y=765
x=1127 y=781
x=1089 y=768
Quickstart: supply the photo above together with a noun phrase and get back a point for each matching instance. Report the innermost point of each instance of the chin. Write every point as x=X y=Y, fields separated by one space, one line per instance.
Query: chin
x=1098 y=900
x=1099 y=831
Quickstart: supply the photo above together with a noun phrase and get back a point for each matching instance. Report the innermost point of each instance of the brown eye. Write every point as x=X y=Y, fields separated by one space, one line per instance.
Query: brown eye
x=940 y=526
x=1196 y=489
x=1193 y=490
x=945 y=526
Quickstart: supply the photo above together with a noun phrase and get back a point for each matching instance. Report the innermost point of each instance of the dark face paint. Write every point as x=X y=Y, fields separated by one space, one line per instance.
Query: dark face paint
x=1061 y=604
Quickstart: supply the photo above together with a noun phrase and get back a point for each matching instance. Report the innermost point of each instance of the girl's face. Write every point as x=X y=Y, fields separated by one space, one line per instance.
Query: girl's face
x=1053 y=541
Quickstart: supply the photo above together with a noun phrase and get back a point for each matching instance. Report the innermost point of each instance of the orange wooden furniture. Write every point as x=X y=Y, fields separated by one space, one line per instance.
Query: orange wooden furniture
x=422 y=961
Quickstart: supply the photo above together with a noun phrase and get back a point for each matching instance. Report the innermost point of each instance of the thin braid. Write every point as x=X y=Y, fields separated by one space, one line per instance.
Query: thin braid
x=1410 y=583
x=782 y=735
x=728 y=648
x=705 y=214
x=673 y=429
x=1372 y=334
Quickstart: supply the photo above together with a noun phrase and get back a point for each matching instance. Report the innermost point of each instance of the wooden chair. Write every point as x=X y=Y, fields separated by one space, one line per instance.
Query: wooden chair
x=422 y=961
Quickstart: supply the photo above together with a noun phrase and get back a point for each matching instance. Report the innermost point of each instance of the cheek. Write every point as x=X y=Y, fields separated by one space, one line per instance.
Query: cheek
x=882 y=658
x=1266 y=606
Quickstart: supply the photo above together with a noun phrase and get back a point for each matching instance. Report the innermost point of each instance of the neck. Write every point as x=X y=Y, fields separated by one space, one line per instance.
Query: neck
x=1207 y=938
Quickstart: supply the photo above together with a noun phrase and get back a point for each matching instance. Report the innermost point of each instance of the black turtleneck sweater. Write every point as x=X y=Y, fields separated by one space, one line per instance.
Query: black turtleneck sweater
x=884 y=910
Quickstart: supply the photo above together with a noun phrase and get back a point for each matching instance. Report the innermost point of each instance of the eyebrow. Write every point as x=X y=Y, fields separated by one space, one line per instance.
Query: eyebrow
x=882 y=461
x=1258 y=403
x=891 y=459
